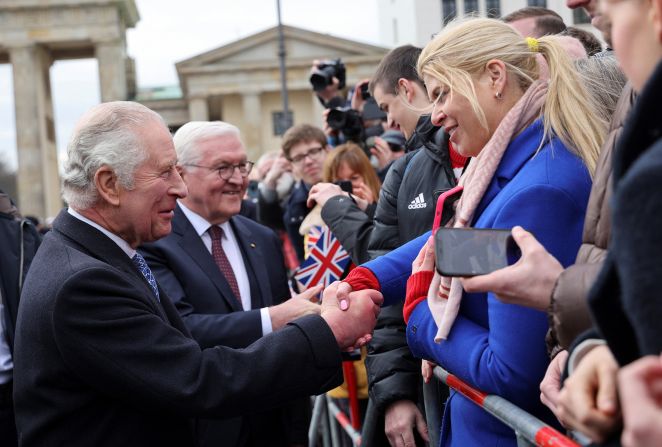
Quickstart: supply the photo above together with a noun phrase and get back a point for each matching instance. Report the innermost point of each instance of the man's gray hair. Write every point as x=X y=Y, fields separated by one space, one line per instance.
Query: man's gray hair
x=107 y=135
x=190 y=134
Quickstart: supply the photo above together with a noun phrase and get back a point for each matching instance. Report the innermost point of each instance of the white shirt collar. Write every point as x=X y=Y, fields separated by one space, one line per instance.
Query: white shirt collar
x=121 y=243
x=200 y=224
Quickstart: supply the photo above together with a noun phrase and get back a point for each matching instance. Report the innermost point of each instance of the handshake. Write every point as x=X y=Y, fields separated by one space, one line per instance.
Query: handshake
x=350 y=315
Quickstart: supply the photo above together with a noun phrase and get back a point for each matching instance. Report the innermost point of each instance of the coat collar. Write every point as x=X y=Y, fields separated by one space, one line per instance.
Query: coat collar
x=96 y=244
x=520 y=150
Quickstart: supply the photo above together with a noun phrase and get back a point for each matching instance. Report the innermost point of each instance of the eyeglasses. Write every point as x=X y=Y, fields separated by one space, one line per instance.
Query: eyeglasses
x=312 y=153
x=226 y=171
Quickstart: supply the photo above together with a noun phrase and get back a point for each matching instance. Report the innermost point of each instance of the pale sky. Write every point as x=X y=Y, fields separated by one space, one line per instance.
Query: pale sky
x=173 y=30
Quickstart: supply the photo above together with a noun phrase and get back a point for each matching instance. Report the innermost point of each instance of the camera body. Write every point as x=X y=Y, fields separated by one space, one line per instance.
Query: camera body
x=347 y=120
x=322 y=75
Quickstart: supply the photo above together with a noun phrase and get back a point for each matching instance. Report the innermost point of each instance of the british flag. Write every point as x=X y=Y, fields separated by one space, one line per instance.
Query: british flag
x=325 y=263
x=311 y=238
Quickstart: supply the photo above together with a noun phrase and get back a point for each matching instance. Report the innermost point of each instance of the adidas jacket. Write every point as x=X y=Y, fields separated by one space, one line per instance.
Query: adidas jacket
x=406 y=205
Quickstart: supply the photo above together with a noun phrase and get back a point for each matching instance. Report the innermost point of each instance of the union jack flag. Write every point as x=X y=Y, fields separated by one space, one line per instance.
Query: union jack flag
x=325 y=263
x=311 y=238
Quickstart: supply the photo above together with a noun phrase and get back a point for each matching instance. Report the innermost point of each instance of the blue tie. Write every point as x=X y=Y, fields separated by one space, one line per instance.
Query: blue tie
x=142 y=266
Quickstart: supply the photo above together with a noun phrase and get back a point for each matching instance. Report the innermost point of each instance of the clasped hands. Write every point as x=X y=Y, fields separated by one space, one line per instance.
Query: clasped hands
x=350 y=315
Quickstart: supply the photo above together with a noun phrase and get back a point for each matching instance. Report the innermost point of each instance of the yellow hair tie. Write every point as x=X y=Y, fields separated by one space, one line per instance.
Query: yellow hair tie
x=532 y=42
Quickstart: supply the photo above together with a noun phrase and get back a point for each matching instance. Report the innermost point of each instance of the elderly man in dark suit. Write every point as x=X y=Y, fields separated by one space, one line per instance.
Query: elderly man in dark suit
x=226 y=274
x=102 y=356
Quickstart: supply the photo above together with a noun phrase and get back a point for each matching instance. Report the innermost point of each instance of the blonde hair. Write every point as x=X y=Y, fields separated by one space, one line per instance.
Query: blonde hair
x=357 y=160
x=463 y=49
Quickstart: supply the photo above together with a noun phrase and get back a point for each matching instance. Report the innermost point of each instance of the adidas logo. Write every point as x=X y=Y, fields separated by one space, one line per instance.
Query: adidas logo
x=418 y=203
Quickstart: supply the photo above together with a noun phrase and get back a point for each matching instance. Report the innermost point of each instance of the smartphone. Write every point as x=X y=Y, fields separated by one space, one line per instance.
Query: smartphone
x=473 y=251
x=345 y=185
x=445 y=209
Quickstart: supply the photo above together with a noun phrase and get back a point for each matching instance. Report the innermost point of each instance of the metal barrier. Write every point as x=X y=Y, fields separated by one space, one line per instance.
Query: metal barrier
x=324 y=406
x=325 y=416
x=529 y=430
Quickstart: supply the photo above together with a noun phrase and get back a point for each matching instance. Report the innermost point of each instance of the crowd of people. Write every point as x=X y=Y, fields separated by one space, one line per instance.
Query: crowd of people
x=167 y=304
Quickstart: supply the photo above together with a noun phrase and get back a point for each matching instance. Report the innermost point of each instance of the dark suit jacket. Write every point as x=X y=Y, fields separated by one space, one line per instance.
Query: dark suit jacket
x=187 y=272
x=98 y=361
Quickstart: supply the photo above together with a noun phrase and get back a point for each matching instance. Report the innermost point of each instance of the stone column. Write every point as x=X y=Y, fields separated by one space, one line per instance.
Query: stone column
x=112 y=70
x=198 y=109
x=38 y=179
x=251 y=128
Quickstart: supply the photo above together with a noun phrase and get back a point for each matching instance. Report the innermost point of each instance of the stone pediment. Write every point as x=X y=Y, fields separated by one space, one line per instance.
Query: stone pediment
x=301 y=47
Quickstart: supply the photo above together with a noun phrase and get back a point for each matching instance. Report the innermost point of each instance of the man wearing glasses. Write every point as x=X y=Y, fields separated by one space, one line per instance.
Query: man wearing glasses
x=306 y=148
x=226 y=274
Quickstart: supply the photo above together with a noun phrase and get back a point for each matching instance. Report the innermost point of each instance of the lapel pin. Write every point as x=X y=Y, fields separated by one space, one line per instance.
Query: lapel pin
x=252 y=244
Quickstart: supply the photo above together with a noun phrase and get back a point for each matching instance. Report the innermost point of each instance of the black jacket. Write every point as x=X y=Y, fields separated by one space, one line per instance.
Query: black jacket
x=19 y=241
x=100 y=362
x=625 y=299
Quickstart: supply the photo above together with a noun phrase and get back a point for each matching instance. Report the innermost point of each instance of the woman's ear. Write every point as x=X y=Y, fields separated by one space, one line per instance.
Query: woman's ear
x=107 y=185
x=496 y=70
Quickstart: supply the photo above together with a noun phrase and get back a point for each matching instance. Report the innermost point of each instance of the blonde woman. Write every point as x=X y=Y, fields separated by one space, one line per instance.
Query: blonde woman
x=533 y=144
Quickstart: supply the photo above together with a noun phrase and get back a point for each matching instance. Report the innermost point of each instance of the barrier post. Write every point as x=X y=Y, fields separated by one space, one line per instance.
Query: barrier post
x=527 y=427
x=433 y=407
x=352 y=393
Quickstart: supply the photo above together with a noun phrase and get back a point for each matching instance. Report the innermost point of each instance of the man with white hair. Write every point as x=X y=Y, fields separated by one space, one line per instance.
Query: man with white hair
x=212 y=265
x=101 y=355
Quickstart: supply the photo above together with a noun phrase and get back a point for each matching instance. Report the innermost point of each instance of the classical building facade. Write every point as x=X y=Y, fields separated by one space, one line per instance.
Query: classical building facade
x=240 y=83
x=415 y=21
x=34 y=34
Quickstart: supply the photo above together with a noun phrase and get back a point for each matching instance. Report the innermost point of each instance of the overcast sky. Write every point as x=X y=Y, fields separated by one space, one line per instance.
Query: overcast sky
x=173 y=30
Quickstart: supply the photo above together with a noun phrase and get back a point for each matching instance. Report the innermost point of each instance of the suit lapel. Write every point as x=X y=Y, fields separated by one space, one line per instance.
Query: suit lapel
x=192 y=244
x=255 y=261
x=98 y=245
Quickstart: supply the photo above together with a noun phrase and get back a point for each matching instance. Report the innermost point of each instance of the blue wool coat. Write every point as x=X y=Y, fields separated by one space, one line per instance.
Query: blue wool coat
x=500 y=348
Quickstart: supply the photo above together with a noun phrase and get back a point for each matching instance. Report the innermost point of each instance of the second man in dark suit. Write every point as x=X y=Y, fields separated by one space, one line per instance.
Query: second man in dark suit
x=226 y=274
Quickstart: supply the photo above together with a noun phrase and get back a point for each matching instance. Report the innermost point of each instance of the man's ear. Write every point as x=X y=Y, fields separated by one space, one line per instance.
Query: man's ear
x=406 y=87
x=497 y=73
x=107 y=185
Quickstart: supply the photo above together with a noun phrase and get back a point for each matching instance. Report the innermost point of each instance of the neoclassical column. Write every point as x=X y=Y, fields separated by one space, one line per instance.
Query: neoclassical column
x=111 y=57
x=251 y=128
x=38 y=178
x=198 y=109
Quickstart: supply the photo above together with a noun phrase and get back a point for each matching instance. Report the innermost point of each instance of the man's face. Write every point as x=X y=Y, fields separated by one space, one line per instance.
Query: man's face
x=399 y=115
x=635 y=38
x=212 y=197
x=145 y=212
x=598 y=20
x=307 y=159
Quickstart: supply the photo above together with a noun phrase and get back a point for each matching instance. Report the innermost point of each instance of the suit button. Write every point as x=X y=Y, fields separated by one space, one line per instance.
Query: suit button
x=413 y=329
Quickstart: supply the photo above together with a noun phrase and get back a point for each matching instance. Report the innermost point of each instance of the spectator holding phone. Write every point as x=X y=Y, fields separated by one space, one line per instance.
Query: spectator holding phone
x=347 y=164
x=534 y=143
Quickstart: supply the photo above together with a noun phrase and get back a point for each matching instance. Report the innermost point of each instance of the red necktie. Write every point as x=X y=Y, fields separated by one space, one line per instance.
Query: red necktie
x=221 y=259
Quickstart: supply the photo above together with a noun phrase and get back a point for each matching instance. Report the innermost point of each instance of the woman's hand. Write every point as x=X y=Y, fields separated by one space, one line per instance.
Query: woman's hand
x=322 y=192
x=425 y=258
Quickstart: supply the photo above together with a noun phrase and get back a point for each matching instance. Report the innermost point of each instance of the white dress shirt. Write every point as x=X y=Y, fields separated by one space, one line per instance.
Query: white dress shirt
x=233 y=253
x=121 y=243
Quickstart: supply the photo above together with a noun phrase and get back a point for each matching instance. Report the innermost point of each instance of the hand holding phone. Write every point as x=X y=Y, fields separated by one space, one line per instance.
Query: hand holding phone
x=467 y=252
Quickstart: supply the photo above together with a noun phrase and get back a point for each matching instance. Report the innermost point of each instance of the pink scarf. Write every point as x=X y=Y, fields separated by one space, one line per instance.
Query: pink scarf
x=445 y=293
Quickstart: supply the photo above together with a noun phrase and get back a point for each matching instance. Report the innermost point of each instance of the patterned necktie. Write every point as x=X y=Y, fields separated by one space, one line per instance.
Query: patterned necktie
x=221 y=259
x=142 y=266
